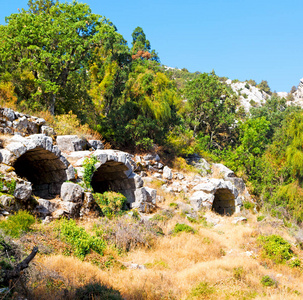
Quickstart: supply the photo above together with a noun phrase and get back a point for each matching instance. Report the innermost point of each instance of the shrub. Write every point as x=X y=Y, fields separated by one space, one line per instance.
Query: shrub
x=89 y=169
x=260 y=218
x=276 y=248
x=80 y=240
x=183 y=228
x=97 y=291
x=173 y=205
x=248 y=205
x=11 y=185
x=110 y=203
x=202 y=291
x=126 y=234
x=268 y=281
x=295 y=263
x=163 y=215
x=17 y=224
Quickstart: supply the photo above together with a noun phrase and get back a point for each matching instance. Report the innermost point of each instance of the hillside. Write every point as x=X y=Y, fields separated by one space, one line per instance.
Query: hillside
x=136 y=180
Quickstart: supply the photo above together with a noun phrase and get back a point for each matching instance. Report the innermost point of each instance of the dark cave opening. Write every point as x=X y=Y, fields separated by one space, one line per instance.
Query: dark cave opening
x=224 y=202
x=44 y=170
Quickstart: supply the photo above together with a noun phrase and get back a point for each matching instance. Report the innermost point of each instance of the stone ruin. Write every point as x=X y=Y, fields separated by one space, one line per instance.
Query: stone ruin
x=52 y=170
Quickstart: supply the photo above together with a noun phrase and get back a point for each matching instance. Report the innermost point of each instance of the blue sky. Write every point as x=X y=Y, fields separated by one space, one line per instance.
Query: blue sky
x=239 y=39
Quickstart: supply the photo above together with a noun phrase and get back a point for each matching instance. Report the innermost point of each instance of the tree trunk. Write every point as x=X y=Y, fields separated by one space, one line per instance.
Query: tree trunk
x=16 y=272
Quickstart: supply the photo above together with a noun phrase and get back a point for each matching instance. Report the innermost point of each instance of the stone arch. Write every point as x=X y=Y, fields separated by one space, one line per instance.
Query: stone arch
x=224 y=202
x=41 y=163
x=115 y=173
x=108 y=176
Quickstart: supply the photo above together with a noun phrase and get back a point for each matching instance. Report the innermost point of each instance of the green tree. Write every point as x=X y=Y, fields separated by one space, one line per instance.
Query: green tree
x=210 y=108
x=263 y=86
x=54 y=42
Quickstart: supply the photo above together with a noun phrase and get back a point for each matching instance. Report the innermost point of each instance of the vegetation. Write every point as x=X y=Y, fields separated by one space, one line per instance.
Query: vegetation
x=110 y=203
x=276 y=248
x=17 y=224
x=82 y=242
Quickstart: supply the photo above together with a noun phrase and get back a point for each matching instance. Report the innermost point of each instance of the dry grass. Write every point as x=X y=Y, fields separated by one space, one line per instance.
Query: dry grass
x=213 y=263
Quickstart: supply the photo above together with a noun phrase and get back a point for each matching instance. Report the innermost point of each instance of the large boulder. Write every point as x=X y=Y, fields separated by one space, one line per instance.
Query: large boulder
x=167 y=173
x=23 y=190
x=201 y=199
x=71 y=192
x=70 y=143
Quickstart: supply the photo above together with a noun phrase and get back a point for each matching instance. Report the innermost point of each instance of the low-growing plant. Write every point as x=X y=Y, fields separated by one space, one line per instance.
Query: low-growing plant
x=163 y=215
x=97 y=291
x=174 y=205
x=183 y=228
x=239 y=273
x=126 y=233
x=202 y=291
x=110 y=203
x=260 y=218
x=79 y=239
x=11 y=185
x=248 y=205
x=268 y=281
x=295 y=263
x=275 y=248
x=17 y=224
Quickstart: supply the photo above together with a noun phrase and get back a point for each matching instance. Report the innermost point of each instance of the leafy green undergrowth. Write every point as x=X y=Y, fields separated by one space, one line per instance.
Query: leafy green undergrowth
x=17 y=224
x=82 y=242
x=183 y=228
x=275 y=248
x=110 y=203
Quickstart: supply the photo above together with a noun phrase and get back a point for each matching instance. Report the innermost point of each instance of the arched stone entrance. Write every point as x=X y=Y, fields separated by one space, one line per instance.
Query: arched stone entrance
x=41 y=163
x=44 y=170
x=109 y=177
x=224 y=202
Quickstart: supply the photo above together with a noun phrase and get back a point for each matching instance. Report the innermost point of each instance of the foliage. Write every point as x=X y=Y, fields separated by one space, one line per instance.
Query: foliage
x=210 y=109
x=275 y=248
x=263 y=86
x=82 y=242
x=89 y=169
x=17 y=224
x=183 y=228
x=202 y=291
x=126 y=233
x=110 y=203
x=97 y=291
x=295 y=263
x=268 y=281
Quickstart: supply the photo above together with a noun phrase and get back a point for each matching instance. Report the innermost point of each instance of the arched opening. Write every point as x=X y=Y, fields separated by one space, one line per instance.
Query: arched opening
x=44 y=170
x=110 y=176
x=224 y=202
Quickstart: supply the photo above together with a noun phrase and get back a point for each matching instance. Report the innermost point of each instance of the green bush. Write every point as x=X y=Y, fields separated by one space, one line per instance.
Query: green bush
x=183 y=228
x=268 y=281
x=17 y=224
x=202 y=291
x=89 y=169
x=295 y=263
x=276 y=248
x=97 y=291
x=79 y=239
x=260 y=218
x=248 y=205
x=110 y=203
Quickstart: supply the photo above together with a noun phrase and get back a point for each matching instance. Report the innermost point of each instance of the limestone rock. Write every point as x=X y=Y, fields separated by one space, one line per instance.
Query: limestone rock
x=167 y=173
x=224 y=171
x=201 y=199
x=72 y=209
x=45 y=207
x=70 y=143
x=23 y=190
x=71 y=192
x=70 y=173
x=7 y=201
x=48 y=131
x=96 y=144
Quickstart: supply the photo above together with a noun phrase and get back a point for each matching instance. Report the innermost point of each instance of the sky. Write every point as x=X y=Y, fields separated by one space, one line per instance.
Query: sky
x=239 y=39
